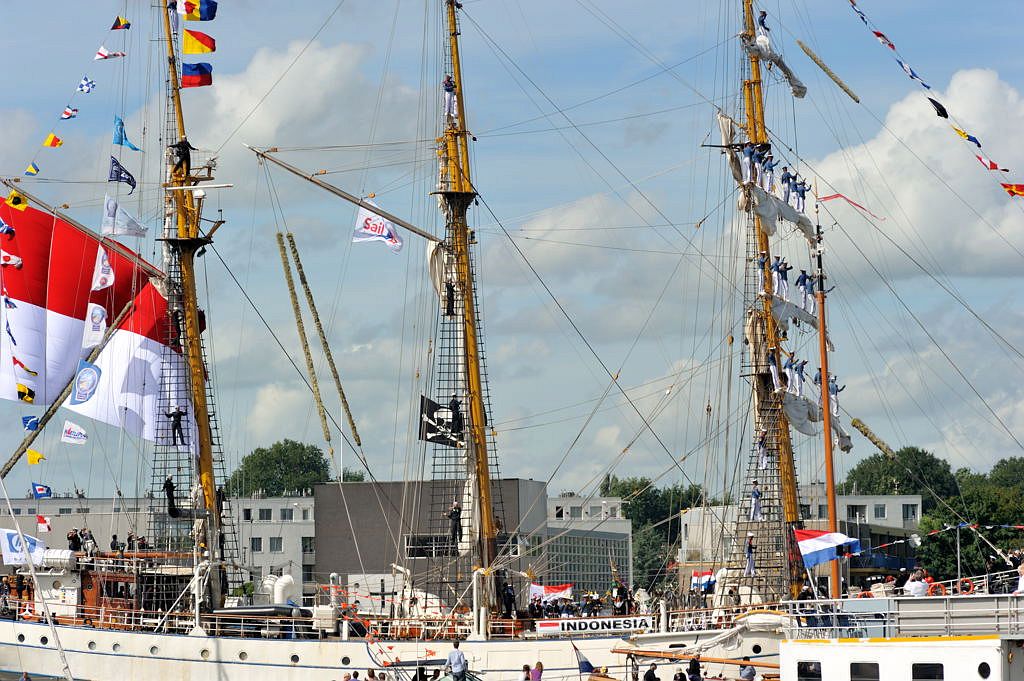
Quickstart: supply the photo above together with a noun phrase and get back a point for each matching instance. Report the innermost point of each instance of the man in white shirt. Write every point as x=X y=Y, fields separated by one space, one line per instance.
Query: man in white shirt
x=915 y=586
x=457 y=663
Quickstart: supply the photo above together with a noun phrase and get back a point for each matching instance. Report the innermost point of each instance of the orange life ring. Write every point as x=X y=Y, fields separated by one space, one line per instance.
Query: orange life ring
x=936 y=587
x=865 y=594
x=965 y=582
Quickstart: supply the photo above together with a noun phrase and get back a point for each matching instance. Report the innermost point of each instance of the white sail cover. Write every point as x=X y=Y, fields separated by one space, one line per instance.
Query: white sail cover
x=771 y=209
x=804 y=414
x=784 y=310
x=44 y=315
x=727 y=126
x=762 y=47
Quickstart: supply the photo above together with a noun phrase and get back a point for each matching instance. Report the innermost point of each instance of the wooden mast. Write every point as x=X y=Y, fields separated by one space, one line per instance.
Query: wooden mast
x=458 y=193
x=754 y=104
x=185 y=239
x=835 y=586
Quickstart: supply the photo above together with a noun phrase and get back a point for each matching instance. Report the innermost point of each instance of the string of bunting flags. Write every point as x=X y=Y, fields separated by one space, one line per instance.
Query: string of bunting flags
x=974 y=527
x=1013 y=189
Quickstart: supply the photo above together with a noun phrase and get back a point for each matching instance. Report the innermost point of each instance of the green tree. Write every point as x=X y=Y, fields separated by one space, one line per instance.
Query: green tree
x=284 y=465
x=914 y=471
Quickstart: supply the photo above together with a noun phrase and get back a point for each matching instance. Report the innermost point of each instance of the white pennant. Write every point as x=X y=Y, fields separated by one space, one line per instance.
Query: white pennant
x=103 y=273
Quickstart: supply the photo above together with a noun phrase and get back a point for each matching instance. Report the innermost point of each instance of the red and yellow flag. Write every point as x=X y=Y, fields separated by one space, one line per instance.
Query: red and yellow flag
x=196 y=42
x=1013 y=189
x=52 y=141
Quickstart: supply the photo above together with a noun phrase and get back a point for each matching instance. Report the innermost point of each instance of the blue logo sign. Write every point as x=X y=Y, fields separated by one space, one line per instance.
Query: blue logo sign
x=87 y=379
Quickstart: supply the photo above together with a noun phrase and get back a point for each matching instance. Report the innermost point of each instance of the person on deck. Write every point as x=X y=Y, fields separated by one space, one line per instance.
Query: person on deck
x=454 y=516
x=749 y=570
x=762 y=259
x=785 y=183
x=783 y=290
x=801 y=285
x=817 y=377
x=458 y=423
x=762 y=449
x=755 y=503
x=758 y=163
x=693 y=669
x=448 y=85
x=747 y=161
x=789 y=366
x=801 y=188
x=74 y=540
x=508 y=600
x=176 y=431
x=812 y=303
x=797 y=386
x=649 y=675
x=768 y=172
x=449 y=299
x=747 y=671
x=833 y=394
x=457 y=663
x=776 y=277
x=762 y=19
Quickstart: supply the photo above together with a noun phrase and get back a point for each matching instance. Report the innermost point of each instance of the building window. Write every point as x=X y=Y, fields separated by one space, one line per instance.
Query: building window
x=595 y=512
x=808 y=671
x=276 y=545
x=575 y=511
x=910 y=511
x=805 y=511
x=256 y=544
x=308 y=544
x=17 y=511
x=63 y=511
x=287 y=514
x=559 y=512
x=266 y=514
x=30 y=511
x=864 y=671
x=613 y=511
x=822 y=510
x=307 y=573
x=855 y=512
x=925 y=671
x=880 y=513
x=82 y=509
x=305 y=514
x=247 y=514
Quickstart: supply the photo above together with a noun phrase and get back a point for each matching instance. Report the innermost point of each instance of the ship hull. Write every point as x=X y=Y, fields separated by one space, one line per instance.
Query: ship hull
x=102 y=655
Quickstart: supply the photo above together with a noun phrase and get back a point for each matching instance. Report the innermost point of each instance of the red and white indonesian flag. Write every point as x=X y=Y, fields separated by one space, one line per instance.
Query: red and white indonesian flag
x=66 y=273
x=43 y=524
x=550 y=592
x=819 y=546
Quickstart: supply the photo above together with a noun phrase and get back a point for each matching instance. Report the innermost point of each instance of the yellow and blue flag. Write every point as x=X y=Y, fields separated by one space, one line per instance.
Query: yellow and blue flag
x=32 y=170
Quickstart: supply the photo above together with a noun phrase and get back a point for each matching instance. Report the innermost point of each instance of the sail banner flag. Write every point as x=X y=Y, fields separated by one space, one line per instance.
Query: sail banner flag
x=118 y=173
x=86 y=85
x=850 y=201
x=196 y=75
x=940 y=110
x=585 y=665
x=198 y=10
x=117 y=221
x=104 y=53
x=550 y=592
x=820 y=546
x=47 y=303
x=1013 y=189
x=120 y=137
x=913 y=74
x=14 y=551
x=967 y=136
x=68 y=113
x=121 y=24
x=10 y=260
x=34 y=457
x=43 y=524
x=16 y=200
x=103 y=272
x=87 y=379
x=439 y=424
x=41 y=491
x=372 y=227
x=73 y=434
x=95 y=326
x=990 y=164
x=702 y=580
x=52 y=141
x=30 y=422
x=32 y=170
x=197 y=42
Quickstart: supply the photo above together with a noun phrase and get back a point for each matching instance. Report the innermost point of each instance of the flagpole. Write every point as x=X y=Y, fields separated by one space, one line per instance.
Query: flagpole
x=56 y=404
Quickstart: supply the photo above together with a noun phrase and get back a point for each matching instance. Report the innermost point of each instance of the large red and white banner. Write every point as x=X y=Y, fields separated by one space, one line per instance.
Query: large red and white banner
x=550 y=592
x=50 y=306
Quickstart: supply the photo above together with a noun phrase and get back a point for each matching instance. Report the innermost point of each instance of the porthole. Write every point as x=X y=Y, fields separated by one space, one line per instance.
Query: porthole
x=205 y=654
x=116 y=647
x=984 y=670
x=243 y=655
x=295 y=659
x=756 y=649
x=57 y=584
x=92 y=645
x=345 y=660
x=44 y=640
x=21 y=638
x=153 y=650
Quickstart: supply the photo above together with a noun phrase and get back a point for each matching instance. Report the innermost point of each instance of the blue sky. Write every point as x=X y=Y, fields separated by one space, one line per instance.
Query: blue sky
x=647 y=303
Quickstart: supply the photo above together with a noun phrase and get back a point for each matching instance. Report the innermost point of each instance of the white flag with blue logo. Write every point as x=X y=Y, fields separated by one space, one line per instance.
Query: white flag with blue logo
x=14 y=554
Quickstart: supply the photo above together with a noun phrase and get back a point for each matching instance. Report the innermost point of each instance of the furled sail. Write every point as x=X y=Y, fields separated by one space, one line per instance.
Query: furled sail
x=69 y=284
x=784 y=310
x=727 y=126
x=762 y=47
x=804 y=413
x=771 y=209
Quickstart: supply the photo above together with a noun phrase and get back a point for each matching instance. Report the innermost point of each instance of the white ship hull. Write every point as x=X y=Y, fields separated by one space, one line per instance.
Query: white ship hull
x=110 y=655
